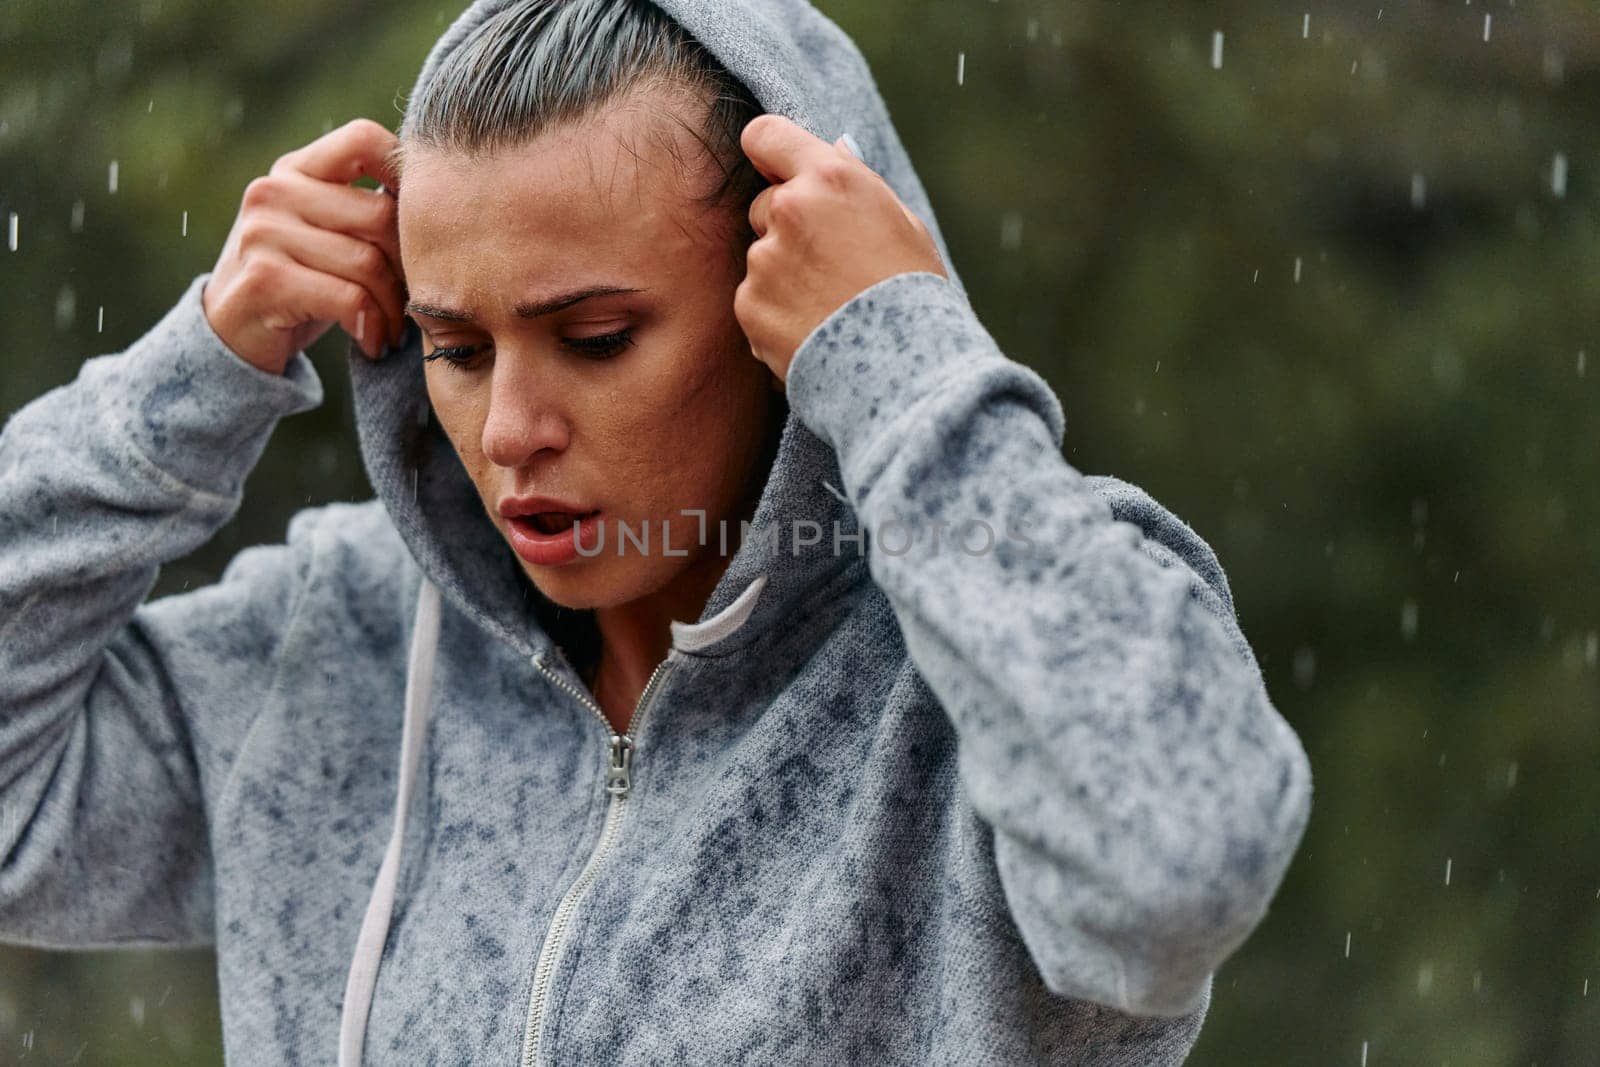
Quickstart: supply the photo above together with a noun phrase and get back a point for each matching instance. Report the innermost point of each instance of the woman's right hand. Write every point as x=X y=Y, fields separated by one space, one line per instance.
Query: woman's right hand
x=309 y=249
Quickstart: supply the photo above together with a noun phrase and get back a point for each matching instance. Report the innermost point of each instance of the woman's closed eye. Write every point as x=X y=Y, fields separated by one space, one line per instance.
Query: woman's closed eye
x=602 y=346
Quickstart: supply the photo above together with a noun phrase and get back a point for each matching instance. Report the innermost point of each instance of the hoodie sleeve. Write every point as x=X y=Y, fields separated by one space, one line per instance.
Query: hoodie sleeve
x=1112 y=724
x=135 y=463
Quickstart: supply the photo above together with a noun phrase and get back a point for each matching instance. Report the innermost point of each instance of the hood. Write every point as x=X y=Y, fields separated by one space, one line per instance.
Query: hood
x=797 y=63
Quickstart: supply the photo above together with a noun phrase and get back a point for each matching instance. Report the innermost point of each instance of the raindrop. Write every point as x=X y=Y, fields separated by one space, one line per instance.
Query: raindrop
x=1305 y=27
x=1447 y=367
x=111 y=181
x=1581 y=360
x=1297 y=270
x=1554 y=65
x=185 y=231
x=77 y=216
x=961 y=68
x=66 y=307
x=11 y=233
x=1591 y=648
x=136 y=1010
x=1477 y=981
x=1486 y=20
x=1011 y=230
x=1408 y=619
x=1347 y=944
x=100 y=320
x=1216 y=50
x=1305 y=667
x=1558 y=174
x=1447 y=863
x=1425 y=978
x=1511 y=780
x=1419 y=191
x=1363 y=1054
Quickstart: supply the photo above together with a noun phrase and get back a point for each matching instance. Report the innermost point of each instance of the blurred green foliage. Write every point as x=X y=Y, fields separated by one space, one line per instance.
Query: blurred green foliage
x=1324 y=285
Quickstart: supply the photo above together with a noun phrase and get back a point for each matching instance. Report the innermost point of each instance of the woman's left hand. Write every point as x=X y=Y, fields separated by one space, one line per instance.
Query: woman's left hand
x=826 y=229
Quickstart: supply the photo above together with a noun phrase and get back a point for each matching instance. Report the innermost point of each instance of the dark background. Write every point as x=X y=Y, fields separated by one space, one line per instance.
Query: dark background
x=1331 y=302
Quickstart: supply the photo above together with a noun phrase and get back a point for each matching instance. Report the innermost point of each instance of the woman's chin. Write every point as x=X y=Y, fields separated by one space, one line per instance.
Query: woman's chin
x=587 y=584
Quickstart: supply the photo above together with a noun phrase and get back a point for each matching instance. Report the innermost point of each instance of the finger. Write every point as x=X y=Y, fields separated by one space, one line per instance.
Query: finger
x=363 y=213
x=780 y=148
x=349 y=259
x=358 y=149
x=309 y=295
x=759 y=208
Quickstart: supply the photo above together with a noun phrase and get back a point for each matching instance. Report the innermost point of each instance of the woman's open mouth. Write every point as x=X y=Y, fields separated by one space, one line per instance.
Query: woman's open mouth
x=554 y=522
x=547 y=538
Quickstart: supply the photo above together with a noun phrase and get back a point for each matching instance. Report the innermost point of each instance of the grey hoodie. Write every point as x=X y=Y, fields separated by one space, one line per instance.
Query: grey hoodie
x=883 y=803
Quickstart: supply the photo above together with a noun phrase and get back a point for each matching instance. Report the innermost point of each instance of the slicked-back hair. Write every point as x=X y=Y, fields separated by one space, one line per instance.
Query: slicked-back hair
x=541 y=64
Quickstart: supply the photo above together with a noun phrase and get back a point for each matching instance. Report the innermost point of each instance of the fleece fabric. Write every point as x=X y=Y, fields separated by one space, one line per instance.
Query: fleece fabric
x=905 y=793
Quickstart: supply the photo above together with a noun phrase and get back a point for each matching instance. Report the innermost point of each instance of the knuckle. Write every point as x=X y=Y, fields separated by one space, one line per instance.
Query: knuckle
x=742 y=296
x=255 y=232
x=385 y=217
x=352 y=297
x=784 y=206
x=262 y=190
x=259 y=277
x=758 y=258
x=835 y=172
x=368 y=259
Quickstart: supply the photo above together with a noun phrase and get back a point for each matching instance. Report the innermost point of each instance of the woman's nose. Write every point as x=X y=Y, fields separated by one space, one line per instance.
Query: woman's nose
x=521 y=423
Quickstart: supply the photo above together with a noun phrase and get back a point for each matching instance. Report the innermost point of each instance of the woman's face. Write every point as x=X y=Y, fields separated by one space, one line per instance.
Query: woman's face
x=664 y=410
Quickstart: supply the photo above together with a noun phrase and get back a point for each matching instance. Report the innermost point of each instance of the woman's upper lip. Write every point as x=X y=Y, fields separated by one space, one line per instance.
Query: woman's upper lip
x=516 y=506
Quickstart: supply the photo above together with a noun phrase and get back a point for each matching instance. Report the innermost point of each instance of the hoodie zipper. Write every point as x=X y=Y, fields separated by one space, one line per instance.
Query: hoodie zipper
x=619 y=780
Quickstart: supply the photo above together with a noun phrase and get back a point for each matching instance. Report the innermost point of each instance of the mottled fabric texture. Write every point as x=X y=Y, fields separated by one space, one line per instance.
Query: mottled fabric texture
x=998 y=806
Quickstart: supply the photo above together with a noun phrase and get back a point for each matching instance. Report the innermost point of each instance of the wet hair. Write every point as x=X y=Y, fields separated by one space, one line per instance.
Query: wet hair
x=542 y=64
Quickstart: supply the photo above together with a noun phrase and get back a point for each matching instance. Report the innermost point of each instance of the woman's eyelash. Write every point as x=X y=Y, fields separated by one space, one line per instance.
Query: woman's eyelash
x=456 y=357
x=600 y=347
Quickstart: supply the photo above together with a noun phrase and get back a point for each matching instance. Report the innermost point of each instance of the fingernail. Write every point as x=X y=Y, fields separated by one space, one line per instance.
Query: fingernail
x=850 y=143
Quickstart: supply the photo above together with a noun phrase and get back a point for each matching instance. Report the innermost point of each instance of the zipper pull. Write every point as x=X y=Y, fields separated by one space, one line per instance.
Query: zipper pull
x=617 y=775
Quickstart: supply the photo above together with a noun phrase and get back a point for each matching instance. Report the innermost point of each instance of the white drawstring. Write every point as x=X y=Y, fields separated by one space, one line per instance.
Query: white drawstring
x=375 y=924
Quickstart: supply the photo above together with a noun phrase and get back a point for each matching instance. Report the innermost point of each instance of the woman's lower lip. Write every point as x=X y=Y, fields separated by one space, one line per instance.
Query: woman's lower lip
x=551 y=550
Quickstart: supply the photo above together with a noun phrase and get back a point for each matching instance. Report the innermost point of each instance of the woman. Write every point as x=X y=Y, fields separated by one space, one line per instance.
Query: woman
x=847 y=723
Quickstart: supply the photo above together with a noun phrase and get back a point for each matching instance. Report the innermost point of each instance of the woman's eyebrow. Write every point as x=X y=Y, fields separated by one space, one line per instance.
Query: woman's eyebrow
x=526 y=310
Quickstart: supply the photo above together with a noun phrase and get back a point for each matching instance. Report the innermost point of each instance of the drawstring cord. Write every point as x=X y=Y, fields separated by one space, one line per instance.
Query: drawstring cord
x=375 y=923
